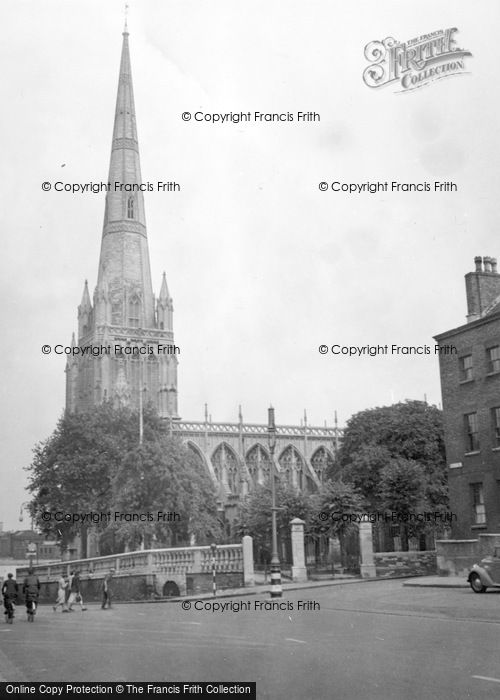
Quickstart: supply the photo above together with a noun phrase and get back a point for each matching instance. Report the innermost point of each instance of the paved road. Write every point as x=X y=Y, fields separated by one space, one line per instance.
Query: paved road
x=368 y=641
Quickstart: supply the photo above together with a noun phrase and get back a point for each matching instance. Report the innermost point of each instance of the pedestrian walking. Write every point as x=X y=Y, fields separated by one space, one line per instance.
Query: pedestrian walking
x=9 y=591
x=75 y=595
x=67 y=591
x=61 y=594
x=106 y=590
x=31 y=590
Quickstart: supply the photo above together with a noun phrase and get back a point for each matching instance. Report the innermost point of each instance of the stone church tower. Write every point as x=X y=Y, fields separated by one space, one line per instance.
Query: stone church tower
x=123 y=311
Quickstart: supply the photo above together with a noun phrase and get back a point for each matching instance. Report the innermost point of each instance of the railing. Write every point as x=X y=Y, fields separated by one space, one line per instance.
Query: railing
x=229 y=558
x=172 y=560
x=256 y=429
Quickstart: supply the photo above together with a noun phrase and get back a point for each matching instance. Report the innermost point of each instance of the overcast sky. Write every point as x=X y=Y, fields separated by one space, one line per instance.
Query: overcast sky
x=263 y=267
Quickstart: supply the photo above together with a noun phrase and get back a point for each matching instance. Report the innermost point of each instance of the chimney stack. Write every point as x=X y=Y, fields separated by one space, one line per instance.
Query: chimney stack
x=482 y=286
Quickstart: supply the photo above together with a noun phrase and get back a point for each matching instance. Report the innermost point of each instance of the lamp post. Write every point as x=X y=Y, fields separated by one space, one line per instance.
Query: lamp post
x=221 y=517
x=141 y=390
x=213 y=550
x=276 y=590
x=25 y=506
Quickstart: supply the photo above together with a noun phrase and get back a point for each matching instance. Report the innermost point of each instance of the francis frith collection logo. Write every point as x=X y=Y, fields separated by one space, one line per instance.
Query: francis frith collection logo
x=416 y=62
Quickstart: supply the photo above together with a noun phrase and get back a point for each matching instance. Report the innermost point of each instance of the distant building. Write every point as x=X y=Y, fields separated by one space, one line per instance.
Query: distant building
x=14 y=545
x=470 y=384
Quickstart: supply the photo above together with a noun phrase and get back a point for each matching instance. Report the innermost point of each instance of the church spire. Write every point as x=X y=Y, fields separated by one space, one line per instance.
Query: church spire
x=124 y=261
x=124 y=310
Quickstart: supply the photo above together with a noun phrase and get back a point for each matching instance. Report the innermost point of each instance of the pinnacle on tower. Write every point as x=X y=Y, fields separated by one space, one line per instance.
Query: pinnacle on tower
x=71 y=360
x=85 y=303
x=84 y=313
x=164 y=307
x=164 y=293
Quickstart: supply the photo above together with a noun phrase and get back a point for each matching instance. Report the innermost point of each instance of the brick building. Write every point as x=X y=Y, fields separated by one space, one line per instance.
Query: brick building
x=470 y=383
x=124 y=311
x=14 y=545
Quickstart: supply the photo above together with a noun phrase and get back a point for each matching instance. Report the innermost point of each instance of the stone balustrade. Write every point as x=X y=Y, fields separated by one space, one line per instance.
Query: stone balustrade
x=169 y=561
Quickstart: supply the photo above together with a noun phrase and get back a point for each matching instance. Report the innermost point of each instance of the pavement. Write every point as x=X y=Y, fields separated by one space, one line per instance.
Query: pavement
x=437 y=582
x=341 y=580
x=264 y=588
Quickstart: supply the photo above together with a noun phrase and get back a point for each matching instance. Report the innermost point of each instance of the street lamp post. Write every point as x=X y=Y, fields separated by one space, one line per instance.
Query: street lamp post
x=25 y=506
x=221 y=517
x=213 y=549
x=141 y=390
x=276 y=590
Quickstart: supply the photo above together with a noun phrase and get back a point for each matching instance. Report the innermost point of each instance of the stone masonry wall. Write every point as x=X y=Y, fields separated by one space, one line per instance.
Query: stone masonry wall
x=405 y=563
x=202 y=583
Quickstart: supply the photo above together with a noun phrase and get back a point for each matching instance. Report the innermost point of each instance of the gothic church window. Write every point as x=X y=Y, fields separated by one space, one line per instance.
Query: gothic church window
x=226 y=469
x=130 y=208
x=292 y=466
x=258 y=464
x=134 y=313
x=194 y=452
x=116 y=313
x=321 y=461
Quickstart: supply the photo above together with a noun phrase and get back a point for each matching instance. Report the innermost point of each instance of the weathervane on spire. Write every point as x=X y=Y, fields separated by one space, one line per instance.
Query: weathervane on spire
x=125 y=12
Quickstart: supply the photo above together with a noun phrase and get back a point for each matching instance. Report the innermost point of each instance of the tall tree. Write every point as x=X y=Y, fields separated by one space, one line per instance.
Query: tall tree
x=332 y=499
x=396 y=456
x=411 y=429
x=364 y=471
x=92 y=463
x=255 y=516
x=338 y=500
x=161 y=481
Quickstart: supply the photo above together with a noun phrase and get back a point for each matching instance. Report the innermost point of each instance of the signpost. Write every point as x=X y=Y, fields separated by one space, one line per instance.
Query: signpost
x=31 y=550
x=276 y=588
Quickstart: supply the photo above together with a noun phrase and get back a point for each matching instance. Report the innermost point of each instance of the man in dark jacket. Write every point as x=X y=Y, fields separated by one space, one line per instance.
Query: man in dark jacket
x=75 y=592
x=106 y=590
x=9 y=592
x=31 y=590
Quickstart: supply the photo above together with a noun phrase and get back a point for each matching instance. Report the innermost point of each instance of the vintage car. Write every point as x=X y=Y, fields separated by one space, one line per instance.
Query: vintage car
x=486 y=574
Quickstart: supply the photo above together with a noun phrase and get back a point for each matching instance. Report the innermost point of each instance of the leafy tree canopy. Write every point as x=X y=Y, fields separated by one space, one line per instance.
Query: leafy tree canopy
x=93 y=463
x=402 y=486
x=334 y=497
x=255 y=514
x=406 y=437
x=412 y=429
